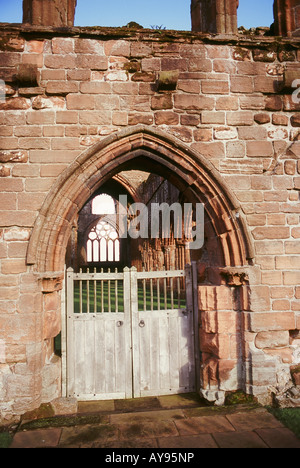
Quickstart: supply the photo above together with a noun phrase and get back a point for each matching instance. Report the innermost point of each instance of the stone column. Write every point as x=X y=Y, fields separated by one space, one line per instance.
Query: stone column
x=214 y=16
x=56 y=13
x=287 y=17
x=221 y=333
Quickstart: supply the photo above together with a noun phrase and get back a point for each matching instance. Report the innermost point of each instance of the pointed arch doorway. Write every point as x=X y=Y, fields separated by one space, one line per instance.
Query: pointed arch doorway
x=226 y=238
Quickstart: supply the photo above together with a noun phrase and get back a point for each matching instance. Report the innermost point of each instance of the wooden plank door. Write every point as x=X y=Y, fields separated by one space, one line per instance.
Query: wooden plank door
x=99 y=365
x=163 y=338
x=142 y=347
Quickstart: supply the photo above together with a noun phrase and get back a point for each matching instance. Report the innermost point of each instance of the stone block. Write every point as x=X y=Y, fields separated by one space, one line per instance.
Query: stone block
x=260 y=299
x=262 y=118
x=259 y=148
x=270 y=321
x=161 y=102
x=80 y=102
x=193 y=102
x=241 y=84
x=295 y=120
x=62 y=406
x=215 y=87
x=4 y=171
x=51 y=324
x=17 y=103
x=13 y=156
x=167 y=80
x=225 y=133
x=203 y=134
x=215 y=298
x=272 y=339
x=27 y=74
x=240 y=118
x=295 y=372
x=166 y=118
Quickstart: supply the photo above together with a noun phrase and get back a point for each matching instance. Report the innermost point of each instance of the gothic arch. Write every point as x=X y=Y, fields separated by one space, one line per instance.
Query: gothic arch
x=166 y=156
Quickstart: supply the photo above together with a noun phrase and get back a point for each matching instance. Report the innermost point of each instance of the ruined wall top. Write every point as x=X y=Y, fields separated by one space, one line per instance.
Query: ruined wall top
x=207 y=16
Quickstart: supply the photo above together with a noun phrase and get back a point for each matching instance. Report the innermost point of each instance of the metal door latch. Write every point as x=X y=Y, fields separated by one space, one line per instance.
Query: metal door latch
x=142 y=324
x=119 y=323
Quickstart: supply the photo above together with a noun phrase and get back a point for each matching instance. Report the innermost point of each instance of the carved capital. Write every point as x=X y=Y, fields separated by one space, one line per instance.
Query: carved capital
x=235 y=277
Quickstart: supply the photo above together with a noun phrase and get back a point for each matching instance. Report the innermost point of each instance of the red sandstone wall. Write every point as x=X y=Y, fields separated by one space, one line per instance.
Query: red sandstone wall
x=232 y=104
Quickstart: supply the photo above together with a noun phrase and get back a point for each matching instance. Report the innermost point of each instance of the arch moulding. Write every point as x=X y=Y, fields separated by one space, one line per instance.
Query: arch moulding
x=195 y=176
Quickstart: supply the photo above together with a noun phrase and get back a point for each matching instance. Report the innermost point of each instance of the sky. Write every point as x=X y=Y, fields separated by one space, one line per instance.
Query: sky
x=171 y=14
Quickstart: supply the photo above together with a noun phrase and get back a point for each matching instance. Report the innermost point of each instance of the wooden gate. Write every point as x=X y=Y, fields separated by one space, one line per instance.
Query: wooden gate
x=130 y=334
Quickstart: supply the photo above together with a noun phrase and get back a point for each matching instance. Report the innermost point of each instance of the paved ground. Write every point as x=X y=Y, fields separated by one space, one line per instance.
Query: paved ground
x=176 y=422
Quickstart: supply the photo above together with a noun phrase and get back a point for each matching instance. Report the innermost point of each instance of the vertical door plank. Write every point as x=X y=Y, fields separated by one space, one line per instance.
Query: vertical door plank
x=100 y=355
x=174 y=333
x=89 y=357
x=145 y=352
x=135 y=333
x=128 y=365
x=110 y=356
x=164 y=355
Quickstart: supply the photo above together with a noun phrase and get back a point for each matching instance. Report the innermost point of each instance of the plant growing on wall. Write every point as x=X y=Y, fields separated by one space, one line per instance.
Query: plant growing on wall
x=159 y=28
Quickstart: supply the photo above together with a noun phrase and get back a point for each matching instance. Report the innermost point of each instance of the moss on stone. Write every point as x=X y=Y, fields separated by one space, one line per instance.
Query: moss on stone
x=64 y=421
x=238 y=398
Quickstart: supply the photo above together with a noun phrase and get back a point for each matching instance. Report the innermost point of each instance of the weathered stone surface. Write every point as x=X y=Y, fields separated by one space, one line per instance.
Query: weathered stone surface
x=13 y=156
x=167 y=80
x=287 y=17
x=28 y=92
x=17 y=103
x=44 y=411
x=272 y=339
x=295 y=372
x=4 y=171
x=161 y=102
x=63 y=406
x=214 y=16
x=57 y=13
x=27 y=75
x=221 y=133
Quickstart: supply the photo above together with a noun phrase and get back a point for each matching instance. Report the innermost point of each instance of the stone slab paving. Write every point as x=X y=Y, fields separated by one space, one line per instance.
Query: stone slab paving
x=179 y=428
x=37 y=439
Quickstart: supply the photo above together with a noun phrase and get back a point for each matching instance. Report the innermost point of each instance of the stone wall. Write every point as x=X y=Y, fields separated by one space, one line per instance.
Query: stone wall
x=230 y=102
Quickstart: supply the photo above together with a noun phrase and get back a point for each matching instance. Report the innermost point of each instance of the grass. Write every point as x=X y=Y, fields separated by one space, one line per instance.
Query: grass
x=5 y=439
x=110 y=293
x=102 y=297
x=290 y=417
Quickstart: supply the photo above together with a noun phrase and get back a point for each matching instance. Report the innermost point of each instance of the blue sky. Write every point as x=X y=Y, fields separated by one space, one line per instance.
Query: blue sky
x=172 y=14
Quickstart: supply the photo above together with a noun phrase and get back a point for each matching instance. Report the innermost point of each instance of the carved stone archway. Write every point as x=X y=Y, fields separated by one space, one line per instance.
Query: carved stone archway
x=192 y=174
x=222 y=291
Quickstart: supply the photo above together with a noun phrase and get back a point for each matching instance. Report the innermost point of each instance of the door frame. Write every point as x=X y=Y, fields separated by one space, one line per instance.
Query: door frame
x=190 y=274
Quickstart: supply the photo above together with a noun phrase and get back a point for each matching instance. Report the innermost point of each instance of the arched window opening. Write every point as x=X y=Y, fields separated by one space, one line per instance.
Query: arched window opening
x=103 y=204
x=103 y=243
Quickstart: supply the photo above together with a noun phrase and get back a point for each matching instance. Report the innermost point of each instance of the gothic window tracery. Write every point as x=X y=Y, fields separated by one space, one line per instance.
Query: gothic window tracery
x=103 y=243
